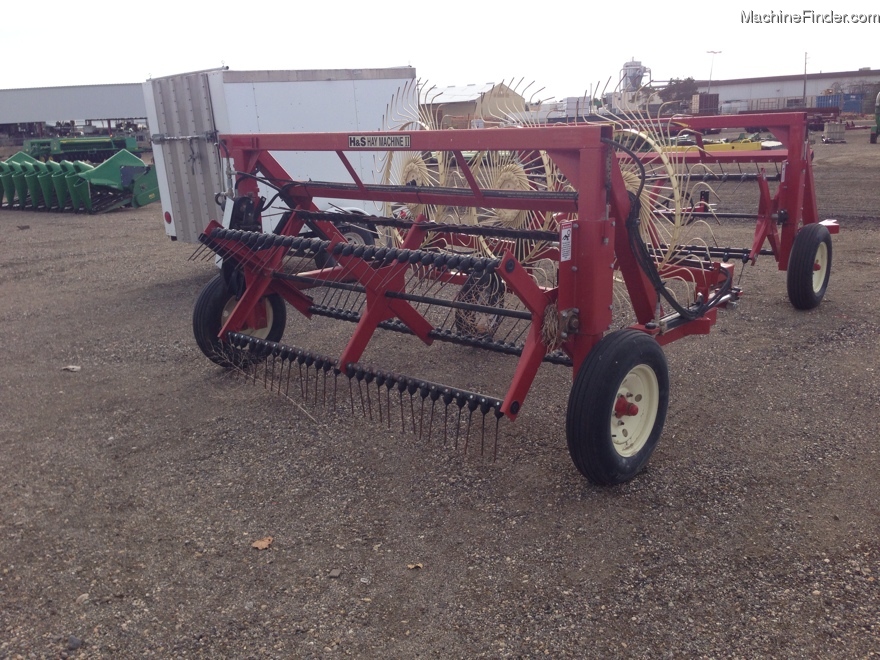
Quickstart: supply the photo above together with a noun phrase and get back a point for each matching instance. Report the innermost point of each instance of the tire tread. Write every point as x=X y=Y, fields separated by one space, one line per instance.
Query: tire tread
x=800 y=266
x=207 y=313
x=588 y=436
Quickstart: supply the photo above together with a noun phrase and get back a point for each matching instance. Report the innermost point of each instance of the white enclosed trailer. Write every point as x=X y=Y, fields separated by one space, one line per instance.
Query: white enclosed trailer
x=187 y=111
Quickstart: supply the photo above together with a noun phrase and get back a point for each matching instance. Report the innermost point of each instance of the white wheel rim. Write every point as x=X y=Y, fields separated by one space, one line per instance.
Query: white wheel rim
x=632 y=426
x=353 y=238
x=820 y=267
x=259 y=333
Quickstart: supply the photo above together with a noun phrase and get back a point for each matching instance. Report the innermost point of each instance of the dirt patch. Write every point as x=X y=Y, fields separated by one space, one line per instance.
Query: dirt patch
x=135 y=488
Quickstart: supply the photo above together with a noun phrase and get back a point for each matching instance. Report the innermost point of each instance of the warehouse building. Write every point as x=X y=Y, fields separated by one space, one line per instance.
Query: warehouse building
x=43 y=111
x=850 y=91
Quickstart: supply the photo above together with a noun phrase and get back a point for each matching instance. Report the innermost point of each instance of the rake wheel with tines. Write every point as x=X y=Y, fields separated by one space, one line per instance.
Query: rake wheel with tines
x=500 y=170
x=432 y=284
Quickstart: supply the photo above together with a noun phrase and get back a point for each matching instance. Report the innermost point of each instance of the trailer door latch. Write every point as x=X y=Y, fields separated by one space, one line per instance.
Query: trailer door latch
x=161 y=138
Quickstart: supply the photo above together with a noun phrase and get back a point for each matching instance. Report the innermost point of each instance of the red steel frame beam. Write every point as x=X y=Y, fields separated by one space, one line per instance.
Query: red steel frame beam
x=794 y=202
x=580 y=154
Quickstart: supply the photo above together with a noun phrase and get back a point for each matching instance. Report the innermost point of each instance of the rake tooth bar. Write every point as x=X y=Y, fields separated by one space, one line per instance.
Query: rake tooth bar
x=460 y=398
x=289 y=361
x=423 y=394
x=434 y=395
x=435 y=284
x=358 y=374
x=447 y=399
x=380 y=381
x=401 y=388
x=472 y=404
x=253 y=355
x=274 y=354
x=411 y=388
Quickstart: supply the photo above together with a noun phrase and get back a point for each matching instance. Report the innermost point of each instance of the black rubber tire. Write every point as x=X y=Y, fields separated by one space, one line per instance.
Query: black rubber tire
x=353 y=234
x=806 y=285
x=208 y=319
x=483 y=289
x=625 y=361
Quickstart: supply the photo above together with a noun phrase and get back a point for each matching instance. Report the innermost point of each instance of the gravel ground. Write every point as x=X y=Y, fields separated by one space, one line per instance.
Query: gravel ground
x=134 y=488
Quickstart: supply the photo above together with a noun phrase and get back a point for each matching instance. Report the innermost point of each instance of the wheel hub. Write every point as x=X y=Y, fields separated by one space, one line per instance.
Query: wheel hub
x=624 y=407
x=259 y=322
x=635 y=410
x=820 y=266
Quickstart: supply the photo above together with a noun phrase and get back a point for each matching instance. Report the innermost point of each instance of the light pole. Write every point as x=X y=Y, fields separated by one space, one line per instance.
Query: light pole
x=713 y=53
x=805 y=80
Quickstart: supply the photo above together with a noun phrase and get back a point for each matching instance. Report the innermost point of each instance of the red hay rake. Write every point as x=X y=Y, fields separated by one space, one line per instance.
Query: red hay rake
x=484 y=284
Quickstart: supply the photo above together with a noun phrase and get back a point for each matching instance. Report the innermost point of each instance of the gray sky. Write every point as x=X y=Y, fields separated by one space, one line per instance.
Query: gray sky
x=565 y=47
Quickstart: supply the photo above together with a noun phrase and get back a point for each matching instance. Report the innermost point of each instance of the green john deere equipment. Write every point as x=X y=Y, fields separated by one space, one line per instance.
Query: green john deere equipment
x=92 y=149
x=121 y=180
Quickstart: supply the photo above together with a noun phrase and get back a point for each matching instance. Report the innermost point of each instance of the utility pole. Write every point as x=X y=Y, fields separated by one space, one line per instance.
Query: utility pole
x=713 y=53
x=805 y=80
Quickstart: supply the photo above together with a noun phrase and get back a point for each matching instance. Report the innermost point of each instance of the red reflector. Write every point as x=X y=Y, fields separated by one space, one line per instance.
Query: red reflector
x=168 y=217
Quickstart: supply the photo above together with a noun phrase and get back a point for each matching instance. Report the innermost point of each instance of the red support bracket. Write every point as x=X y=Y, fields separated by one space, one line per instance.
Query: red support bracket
x=535 y=300
x=380 y=307
x=765 y=229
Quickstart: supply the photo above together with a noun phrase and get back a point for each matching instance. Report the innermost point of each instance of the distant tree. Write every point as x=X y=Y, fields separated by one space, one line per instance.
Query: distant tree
x=679 y=90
